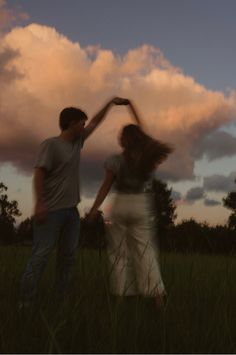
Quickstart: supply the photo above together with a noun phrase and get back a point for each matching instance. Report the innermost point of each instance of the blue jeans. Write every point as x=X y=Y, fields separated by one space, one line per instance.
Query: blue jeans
x=62 y=227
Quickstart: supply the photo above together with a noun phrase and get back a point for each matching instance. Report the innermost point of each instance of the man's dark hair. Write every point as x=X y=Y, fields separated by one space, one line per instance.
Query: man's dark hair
x=70 y=114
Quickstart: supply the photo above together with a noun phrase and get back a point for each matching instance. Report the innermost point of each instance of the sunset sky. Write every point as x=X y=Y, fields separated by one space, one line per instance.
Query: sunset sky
x=174 y=58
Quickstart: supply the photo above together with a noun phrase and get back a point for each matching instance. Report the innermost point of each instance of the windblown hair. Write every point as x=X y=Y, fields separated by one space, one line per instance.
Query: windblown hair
x=141 y=151
x=70 y=114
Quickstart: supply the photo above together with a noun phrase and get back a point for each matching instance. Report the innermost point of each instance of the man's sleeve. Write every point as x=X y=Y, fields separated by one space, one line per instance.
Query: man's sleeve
x=44 y=158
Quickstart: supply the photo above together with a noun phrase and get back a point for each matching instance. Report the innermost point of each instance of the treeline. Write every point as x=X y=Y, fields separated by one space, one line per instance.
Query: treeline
x=186 y=236
x=191 y=236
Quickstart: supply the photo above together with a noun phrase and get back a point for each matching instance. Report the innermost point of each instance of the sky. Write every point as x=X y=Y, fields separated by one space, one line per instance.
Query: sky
x=174 y=59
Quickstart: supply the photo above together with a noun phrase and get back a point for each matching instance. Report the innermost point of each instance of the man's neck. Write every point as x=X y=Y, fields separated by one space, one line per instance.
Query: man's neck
x=67 y=136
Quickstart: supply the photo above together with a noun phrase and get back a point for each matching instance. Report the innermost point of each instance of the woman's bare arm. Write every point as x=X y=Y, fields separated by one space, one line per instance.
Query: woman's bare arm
x=134 y=113
x=102 y=193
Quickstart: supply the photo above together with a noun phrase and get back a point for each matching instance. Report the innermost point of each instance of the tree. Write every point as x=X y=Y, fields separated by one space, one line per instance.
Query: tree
x=230 y=203
x=192 y=236
x=164 y=206
x=8 y=211
x=165 y=212
x=25 y=230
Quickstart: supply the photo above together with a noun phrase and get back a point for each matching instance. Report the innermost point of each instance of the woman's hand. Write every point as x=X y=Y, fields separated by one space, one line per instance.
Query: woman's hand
x=91 y=216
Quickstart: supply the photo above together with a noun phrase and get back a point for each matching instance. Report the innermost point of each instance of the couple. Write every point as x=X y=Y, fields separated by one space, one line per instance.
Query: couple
x=56 y=187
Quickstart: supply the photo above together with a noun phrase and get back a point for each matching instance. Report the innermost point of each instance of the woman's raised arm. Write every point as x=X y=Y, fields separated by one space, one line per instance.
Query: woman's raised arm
x=134 y=113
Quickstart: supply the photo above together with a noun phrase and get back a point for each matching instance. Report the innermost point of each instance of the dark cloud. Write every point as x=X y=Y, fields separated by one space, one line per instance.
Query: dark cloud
x=26 y=148
x=92 y=173
x=7 y=55
x=176 y=196
x=194 y=194
x=217 y=145
x=20 y=137
x=220 y=183
x=18 y=143
x=178 y=166
x=211 y=203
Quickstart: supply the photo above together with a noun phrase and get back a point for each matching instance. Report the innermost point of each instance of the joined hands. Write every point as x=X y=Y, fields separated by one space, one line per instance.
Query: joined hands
x=120 y=101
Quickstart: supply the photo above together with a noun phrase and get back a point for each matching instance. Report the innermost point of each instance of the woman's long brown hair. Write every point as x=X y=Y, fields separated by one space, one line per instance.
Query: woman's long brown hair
x=141 y=151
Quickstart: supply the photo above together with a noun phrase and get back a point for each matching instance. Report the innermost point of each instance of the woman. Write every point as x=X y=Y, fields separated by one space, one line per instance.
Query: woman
x=131 y=247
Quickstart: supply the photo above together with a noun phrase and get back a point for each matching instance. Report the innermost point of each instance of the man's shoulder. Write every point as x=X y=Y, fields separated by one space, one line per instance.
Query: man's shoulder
x=49 y=141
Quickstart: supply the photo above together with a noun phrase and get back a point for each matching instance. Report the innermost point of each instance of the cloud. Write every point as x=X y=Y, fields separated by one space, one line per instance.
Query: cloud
x=194 y=194
x=217 y=145
x=211 y=203
x=92 y=173
x=8 y=73
x=215 y=183
x=10 y=16
x=44 y=72
x=220 y=183
x=176 y=196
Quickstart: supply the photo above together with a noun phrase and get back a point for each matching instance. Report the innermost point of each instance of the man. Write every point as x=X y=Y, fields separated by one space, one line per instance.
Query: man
x=56 y=188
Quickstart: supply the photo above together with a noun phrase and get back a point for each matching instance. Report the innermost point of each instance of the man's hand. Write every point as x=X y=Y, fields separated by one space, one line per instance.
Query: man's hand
x=120 y=101
x=41 y=212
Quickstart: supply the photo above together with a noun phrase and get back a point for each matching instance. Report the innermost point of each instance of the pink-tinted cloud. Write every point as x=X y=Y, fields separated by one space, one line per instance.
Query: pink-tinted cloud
x=10 y=16
x=49 y=72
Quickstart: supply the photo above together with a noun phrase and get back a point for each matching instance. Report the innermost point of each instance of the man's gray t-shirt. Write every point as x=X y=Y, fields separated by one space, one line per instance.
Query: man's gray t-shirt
x=61 y=161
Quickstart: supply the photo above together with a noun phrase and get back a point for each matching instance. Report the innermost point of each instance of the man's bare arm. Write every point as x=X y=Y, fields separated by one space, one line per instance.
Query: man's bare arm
x=98 y=118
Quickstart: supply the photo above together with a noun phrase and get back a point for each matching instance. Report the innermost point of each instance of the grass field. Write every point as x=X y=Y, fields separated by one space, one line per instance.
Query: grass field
x=200 y=316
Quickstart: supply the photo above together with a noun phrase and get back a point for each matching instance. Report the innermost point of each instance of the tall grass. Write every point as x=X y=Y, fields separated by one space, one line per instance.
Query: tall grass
x=200 y=316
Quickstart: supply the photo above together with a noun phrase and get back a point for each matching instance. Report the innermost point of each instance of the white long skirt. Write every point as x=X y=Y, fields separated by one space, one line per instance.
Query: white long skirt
x=132 y=251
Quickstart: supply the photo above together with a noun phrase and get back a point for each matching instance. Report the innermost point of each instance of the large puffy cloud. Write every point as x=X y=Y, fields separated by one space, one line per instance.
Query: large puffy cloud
x=44 y=72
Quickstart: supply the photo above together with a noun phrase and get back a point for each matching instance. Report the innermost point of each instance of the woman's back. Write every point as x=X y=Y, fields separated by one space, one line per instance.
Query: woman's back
x=128 y=180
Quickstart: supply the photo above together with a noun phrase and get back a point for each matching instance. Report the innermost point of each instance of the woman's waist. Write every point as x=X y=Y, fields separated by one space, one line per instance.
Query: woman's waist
x=133 y=200
x=129 y=206
x=131 y=188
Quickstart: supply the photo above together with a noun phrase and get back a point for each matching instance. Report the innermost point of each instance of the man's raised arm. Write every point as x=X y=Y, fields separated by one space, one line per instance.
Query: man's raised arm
x=98 y=118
